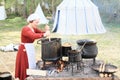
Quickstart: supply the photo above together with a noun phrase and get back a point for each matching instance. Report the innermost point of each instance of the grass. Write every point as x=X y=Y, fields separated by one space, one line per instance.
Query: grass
x=108 y=43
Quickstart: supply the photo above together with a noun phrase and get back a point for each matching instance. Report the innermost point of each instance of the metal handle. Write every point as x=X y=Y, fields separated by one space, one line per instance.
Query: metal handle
x=38 y=42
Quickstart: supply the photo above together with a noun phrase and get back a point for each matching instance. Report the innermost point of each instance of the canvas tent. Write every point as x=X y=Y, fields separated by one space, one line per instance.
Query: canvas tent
x=42 y=17
x=78 y=17
x=3 y=15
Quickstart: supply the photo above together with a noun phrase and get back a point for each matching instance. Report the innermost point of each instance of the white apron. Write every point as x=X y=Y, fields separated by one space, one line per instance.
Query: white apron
x=30 y=50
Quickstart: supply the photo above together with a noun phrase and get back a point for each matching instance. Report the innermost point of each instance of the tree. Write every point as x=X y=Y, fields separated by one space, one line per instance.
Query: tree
x=16 y=7
x=25 y=9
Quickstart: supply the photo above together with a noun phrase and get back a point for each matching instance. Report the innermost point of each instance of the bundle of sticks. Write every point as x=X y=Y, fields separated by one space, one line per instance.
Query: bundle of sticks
x=102 y=72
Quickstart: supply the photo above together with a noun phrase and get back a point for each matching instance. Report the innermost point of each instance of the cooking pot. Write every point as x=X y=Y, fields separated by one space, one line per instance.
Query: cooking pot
x=65 y=47
x=5 y=76
x=74 y=56
x=89 y=50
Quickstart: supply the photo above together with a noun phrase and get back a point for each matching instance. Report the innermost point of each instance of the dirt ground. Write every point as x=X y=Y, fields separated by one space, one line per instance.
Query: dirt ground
x=7 y=61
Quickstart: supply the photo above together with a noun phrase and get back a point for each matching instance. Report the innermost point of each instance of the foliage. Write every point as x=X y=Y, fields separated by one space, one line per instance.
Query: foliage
x=12 y=24
x=20 y=7
x=109 y=9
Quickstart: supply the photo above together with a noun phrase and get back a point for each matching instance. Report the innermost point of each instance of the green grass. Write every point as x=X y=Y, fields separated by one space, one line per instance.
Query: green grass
x=10 y=30
x=108 y=43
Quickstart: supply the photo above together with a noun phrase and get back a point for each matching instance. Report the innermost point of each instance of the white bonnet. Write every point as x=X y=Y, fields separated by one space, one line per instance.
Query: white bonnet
x=32 y=17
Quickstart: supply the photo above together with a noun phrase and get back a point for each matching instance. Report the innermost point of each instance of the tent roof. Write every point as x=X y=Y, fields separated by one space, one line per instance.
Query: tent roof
x=76 y=4
x=78 y=17
x=42 y=17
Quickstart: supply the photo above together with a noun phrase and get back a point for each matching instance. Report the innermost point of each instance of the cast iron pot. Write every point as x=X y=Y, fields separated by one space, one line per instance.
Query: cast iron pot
x=89 y=50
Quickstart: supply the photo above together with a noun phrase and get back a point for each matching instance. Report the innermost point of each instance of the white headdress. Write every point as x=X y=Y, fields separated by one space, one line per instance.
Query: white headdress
x=32 y=17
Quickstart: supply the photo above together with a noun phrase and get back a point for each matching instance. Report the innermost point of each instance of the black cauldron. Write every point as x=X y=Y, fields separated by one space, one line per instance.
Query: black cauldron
x=51 y=50
x=89 y=49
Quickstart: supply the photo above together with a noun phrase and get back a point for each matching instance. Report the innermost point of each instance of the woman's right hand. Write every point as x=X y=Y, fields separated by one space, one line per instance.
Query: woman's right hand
x=47 y=33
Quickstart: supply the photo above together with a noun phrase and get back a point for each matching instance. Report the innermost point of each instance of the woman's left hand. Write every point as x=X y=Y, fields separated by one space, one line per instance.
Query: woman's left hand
x=47 y=28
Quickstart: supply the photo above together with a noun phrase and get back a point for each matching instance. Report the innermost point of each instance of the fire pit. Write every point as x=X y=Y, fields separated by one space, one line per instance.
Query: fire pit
x=53 y=51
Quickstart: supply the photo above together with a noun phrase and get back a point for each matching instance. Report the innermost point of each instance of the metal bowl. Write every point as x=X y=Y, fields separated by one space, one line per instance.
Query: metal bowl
x=108 y=68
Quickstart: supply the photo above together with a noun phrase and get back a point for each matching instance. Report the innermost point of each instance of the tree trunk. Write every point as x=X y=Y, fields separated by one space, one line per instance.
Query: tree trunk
x=53 y=10
x=25 y=9
x=16 y=7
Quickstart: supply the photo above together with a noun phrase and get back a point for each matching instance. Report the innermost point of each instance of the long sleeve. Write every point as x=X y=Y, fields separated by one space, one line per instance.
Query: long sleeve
x=29 y=36
x=38 y=30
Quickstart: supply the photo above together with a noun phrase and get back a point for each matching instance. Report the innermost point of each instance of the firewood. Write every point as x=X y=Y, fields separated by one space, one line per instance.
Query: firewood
x=105 y=75
x=36 y=72
x=58 y=70
x=101 y=75
x=103 y=67
x=61 y=66
x=110 y=75
x=100 y=68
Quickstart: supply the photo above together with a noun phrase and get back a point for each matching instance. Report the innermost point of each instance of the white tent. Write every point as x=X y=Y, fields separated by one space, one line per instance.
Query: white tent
x=3 y=15
x=78 y=17
x=42 y=17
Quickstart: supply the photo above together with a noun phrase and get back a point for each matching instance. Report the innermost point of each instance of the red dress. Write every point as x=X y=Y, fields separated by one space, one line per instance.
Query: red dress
x=27 y=36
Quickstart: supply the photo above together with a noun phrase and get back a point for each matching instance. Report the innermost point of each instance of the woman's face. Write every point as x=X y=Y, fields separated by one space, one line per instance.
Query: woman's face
x=35 y=23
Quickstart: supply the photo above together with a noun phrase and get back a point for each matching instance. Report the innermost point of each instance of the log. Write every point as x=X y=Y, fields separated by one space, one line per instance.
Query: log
x=36 y=72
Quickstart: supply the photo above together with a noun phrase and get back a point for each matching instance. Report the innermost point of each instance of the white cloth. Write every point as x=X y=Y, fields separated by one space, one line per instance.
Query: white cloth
x=33 y=16
x=31 y=55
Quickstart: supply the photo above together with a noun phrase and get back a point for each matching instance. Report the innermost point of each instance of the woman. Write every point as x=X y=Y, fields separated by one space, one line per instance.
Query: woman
x=25 y=57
